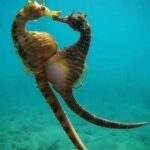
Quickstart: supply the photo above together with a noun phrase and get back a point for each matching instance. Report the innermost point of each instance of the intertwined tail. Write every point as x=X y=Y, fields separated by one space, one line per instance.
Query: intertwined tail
x=79 y=110
x=57 y=109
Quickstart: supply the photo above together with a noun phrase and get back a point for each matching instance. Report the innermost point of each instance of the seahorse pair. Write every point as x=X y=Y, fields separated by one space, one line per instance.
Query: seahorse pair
x=58 y=68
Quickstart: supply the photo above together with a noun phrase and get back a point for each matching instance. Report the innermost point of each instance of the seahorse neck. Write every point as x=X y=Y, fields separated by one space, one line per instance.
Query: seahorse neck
x=82 y=45
x=19 y=24
x=84 y=41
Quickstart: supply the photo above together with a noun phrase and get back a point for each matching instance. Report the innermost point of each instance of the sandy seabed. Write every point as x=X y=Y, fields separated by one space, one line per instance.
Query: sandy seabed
x=31 y=125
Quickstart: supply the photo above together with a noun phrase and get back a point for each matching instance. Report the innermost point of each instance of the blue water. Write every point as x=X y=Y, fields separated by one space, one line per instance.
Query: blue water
x=117 y=85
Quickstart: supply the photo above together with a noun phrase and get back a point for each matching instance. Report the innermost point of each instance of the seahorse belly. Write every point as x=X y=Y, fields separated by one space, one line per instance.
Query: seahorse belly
x=57 y=71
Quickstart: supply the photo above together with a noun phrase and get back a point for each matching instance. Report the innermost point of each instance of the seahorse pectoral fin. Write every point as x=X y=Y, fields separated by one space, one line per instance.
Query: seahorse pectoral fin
x=82 y=77
x=83 y=113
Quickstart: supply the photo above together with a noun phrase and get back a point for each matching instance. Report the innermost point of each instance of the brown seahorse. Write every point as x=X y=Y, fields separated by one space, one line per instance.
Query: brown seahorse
x=72 y=59
x=35 y=48
x=62 y=69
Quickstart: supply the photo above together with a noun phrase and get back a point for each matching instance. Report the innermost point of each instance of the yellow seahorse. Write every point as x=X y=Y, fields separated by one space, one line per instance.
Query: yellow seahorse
x=62 y=69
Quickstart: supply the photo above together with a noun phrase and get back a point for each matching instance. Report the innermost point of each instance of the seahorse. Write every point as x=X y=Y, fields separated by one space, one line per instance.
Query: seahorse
x=61 y=69
x=35 y=48
x=72 y=59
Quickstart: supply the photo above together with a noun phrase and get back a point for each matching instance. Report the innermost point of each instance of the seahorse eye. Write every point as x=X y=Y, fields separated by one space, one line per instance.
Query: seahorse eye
x=79 y=17
x=43 y=8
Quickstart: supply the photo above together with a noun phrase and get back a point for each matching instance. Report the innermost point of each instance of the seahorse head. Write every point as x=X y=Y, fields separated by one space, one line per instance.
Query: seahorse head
x=77 y=21
x=34 y=10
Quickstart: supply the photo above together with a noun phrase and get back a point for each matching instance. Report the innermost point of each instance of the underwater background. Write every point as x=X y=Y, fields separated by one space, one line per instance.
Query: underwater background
x=116 y=86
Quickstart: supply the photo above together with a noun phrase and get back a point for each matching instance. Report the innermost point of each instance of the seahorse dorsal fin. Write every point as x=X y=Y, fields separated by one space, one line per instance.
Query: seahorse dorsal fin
x=81 y=80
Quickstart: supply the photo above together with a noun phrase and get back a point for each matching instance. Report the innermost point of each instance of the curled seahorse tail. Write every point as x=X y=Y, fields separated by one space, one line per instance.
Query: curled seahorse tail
x=58 y=110
x=83 y=113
